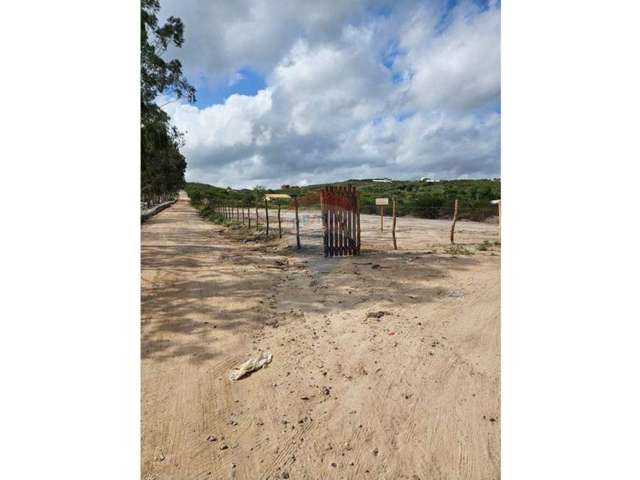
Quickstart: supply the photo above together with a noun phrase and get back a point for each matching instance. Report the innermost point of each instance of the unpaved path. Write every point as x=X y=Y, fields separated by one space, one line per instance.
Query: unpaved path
x=413 y=394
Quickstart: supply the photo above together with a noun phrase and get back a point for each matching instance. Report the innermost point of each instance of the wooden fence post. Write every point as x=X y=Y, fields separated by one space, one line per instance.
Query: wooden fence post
x=393 y=229
x=295 y=202
x=455 y=218
x=381 y=217
x=325 y=230
x=333 y=222
x=257 y=218
x=279 y=224
x=266 y=210
x=340 y=212
x=358 y=222
x=341 y=223
x=499 y=223
x=350 y=229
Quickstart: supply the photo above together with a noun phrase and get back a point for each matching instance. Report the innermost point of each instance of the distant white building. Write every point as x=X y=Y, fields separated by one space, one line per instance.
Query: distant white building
x=382 y=180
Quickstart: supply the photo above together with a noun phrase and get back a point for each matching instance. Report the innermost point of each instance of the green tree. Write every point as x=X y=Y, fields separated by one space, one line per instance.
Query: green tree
x=162 y=164
x=258 y=193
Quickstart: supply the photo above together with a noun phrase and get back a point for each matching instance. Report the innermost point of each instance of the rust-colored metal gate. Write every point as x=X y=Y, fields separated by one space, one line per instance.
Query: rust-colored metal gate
x=340 y=220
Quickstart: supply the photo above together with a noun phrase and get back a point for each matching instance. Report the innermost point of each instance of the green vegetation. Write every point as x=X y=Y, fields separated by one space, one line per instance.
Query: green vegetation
x=457 y=250
x=205 y=197
x=198 y=192
x=162 y=164
x=207 y=212
x=433 y=199
x=419 y=199
x=484 y=246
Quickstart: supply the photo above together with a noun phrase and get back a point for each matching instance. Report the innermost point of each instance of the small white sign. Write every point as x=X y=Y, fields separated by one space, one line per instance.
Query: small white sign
x=382 y=201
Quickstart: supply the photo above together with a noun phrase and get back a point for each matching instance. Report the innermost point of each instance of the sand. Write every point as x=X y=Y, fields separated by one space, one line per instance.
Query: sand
x=385 y=366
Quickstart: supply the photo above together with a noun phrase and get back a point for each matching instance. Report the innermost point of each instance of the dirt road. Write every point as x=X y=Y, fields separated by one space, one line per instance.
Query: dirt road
x=385 y=366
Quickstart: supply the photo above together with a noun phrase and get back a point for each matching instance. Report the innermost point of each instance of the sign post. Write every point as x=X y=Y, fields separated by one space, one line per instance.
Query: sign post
x=382 y=202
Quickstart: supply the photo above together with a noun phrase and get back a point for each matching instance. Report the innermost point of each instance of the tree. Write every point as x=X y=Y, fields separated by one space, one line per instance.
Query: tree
x=162 y=164
x=258 y=193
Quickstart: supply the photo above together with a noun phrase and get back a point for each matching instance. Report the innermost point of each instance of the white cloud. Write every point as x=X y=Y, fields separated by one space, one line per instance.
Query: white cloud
x=459 y=68
x=340 y=82
x=331 y=109
x=222 y=36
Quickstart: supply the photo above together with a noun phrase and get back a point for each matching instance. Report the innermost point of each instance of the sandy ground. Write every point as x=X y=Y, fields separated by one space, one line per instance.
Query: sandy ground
x=409 y=393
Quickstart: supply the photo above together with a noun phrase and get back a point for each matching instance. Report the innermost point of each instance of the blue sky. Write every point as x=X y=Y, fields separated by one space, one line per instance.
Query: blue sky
x=247 y=82
x=339 y=89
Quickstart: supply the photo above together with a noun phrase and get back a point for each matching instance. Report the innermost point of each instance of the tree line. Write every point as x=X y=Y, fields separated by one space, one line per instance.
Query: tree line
x=415 y=198
x=162 y=164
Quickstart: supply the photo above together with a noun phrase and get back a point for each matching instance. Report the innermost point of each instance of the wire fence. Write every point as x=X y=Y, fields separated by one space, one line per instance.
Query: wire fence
x=304 y=227
x=474 y=213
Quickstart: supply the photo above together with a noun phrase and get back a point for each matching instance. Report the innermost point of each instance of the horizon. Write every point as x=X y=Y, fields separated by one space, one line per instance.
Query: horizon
x=391 y=180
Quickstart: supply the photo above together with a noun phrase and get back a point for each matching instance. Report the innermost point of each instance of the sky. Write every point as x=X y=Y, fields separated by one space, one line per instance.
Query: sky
x=316 y=91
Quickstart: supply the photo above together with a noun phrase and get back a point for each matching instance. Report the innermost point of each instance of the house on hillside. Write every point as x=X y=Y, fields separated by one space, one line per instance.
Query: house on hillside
x=382 y=180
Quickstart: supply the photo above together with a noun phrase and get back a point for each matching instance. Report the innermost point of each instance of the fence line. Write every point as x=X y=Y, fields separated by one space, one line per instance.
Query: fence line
x=262 y=217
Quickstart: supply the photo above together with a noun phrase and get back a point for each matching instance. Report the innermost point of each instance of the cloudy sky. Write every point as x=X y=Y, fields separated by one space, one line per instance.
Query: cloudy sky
x=302 y=92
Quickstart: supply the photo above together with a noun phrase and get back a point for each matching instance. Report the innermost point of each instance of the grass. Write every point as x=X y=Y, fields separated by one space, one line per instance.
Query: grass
x=457 y=250
x=484 y=246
